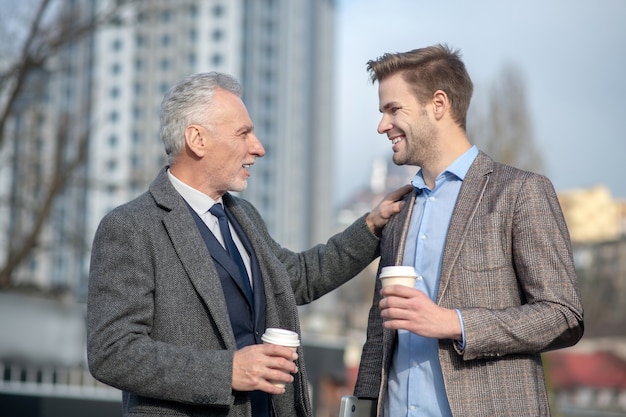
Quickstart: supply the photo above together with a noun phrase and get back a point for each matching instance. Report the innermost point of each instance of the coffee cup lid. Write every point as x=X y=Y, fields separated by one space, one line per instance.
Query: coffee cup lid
x=398 y=271
x=282 y=337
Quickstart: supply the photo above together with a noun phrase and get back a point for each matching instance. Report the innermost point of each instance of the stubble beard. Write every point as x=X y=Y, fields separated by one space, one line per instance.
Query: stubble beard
x=420 y=148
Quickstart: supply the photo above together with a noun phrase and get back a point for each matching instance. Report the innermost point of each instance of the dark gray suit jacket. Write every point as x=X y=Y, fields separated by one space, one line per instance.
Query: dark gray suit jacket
x=158 y=325
x=507 y=265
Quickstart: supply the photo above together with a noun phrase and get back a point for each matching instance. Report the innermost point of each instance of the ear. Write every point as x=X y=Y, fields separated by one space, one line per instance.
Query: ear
x=440 y=103
x=195 y=140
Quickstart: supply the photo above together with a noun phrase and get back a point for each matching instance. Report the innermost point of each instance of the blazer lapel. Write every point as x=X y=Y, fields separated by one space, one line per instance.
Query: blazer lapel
x=404 y=221
x=470 y=195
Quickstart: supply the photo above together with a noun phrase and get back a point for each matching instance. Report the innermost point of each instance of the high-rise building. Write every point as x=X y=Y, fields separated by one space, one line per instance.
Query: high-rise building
x=108 y=88
x=287 y=72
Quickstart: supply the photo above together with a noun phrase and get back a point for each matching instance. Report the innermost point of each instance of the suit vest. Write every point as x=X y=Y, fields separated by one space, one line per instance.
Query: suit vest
x=247 y=317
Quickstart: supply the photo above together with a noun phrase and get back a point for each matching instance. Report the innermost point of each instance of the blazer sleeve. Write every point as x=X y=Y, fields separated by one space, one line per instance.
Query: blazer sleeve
x=519 y=260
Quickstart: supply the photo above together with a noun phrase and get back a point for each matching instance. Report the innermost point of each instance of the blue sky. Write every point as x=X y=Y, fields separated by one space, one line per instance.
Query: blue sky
x=572 y=54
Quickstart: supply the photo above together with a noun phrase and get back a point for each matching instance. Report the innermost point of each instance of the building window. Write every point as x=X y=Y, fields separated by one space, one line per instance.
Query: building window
x=112 y=141
x=68 y=93
x=117 y=45
x=116 y=68
x=218 y=10
x=192 y=60
x=216 y=60
x=217 y=35
x=114 y=116
x=165 y=64
x=115 y=92
x=268 y=127
x=166 y=40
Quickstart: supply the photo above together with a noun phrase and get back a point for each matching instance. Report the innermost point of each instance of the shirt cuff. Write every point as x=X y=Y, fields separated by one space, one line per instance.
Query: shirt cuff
x=461 y=343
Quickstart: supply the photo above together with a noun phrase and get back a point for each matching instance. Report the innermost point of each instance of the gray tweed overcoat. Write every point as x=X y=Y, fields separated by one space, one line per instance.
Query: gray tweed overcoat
x=158 y=326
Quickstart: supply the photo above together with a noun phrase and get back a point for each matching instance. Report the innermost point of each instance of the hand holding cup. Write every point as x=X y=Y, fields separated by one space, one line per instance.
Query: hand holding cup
x=281 y=337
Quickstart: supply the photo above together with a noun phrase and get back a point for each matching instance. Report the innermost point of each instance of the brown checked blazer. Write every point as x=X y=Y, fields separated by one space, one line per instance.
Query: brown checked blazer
x=157 y=324
x=507 y=265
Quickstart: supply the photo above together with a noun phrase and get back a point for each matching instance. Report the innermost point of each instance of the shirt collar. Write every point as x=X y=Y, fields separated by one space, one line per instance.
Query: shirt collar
x=199 y=202
x=458 y=169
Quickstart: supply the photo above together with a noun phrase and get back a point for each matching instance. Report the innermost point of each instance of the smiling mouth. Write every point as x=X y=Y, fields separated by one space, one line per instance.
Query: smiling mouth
x=396 y=139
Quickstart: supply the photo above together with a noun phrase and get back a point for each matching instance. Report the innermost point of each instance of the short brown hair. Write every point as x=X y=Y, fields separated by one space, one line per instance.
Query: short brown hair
x=427 y=70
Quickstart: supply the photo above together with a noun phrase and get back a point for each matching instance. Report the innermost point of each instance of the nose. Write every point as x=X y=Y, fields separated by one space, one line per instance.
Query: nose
x=384 y=125
x=256 y=147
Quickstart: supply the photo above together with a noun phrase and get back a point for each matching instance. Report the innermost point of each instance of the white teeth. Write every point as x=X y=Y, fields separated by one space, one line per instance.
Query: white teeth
x=396 y=140
x=246 y=166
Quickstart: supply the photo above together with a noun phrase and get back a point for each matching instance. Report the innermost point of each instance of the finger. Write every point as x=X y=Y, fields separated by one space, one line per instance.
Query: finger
x=284 y=365
x=398 y=291
x=280 y=351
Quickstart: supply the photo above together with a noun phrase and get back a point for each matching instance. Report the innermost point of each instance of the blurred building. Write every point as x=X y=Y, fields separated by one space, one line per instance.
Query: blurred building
x=592 y=214
x=106 y=89
x=587 y=383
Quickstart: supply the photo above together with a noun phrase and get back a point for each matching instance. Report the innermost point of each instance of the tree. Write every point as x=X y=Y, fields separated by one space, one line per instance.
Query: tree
x=501 y=125
x=39 y=168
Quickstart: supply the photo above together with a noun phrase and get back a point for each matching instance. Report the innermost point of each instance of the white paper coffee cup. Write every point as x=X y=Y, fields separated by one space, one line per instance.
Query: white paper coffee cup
x=398 y=275
x=282 y=337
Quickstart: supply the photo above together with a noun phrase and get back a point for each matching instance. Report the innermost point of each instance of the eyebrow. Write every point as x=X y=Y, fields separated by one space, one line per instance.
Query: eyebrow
x=245 y=129
x=389 y=105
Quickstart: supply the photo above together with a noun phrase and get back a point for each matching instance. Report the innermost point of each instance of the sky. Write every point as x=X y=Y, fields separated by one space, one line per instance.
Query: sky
x=571 y=53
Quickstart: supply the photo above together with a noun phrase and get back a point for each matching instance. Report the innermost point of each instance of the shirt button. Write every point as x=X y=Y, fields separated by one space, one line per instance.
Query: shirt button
x=419 y=278
x=423 y=237
x=414 y=364
x=431 y=198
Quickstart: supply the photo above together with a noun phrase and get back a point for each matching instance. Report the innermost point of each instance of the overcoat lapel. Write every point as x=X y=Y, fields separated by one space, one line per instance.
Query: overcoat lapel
x=219 y=254
x=276 y=282
x=258 y=292
x=191 y=250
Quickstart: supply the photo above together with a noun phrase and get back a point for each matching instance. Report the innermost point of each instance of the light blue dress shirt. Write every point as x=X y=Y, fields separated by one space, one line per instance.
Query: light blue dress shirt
x=415 y=386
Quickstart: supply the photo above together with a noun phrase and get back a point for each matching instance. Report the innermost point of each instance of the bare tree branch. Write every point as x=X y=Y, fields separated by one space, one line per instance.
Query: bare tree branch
x=49 y=32
x=63 y=169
